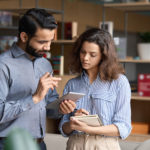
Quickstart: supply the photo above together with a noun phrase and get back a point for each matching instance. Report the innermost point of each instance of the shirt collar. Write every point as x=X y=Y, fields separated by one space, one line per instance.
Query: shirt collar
x=85 y=77
x=17 y=51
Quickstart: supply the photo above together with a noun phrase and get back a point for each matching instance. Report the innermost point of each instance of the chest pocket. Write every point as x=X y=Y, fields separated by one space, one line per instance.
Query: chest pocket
x=104 y=103
x=103 y=96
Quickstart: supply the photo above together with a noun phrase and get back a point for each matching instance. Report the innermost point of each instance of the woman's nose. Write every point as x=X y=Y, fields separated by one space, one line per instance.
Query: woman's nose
x=86 y=57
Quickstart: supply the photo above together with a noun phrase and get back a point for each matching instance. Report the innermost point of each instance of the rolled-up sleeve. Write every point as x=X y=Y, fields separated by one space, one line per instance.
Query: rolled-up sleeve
x=122 y=116
x=65 y=118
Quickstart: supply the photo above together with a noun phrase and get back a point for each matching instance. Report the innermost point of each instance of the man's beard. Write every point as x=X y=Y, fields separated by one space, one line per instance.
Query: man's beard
x=32 y=51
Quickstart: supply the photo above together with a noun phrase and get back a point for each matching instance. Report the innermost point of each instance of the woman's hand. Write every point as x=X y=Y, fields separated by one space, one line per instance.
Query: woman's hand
x=79 y=126
x=67 y=106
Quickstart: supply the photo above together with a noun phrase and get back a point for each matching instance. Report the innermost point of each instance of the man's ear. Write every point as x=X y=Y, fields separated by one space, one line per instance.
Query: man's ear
x=23 y=37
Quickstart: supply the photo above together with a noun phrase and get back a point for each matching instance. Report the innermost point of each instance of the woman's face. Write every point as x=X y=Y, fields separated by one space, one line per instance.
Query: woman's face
x=90 y=56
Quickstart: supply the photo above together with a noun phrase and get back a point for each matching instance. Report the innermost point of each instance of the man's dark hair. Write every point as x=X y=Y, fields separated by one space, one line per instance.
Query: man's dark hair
x=36 y=18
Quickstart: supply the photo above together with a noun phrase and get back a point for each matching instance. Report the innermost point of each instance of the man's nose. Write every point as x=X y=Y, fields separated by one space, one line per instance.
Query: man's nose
x=47 y=47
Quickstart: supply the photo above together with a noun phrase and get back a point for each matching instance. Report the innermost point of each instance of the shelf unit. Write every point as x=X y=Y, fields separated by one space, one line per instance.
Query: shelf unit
x=64 y=41
x=130 y=7
x=23 y=10
x=19 y=11
x=135 y=96
x=140 y=104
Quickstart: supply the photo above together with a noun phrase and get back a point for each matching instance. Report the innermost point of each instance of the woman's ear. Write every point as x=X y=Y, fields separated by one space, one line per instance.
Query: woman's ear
x=23 y=37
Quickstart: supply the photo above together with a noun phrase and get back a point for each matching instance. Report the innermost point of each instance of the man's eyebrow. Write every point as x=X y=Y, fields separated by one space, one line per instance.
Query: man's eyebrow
x=42 y=40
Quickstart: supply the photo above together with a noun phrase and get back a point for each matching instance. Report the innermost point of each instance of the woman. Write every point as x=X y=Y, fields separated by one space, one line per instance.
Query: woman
x=107 y=92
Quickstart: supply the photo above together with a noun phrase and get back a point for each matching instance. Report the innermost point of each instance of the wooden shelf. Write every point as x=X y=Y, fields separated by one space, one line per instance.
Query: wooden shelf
x=135 y=96
x=133 y=61
x=134 y=6
x=64 y=41
x=23 y=10
x=9 y=27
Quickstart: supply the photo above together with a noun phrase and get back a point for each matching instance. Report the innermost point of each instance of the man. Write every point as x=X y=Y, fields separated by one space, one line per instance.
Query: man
x=26 y=81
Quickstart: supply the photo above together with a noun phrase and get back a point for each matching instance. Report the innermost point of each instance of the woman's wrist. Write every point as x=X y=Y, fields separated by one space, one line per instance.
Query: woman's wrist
x=67 y=128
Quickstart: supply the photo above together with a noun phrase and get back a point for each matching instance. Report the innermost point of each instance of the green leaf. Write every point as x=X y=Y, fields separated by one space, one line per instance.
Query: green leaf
x=145 y=37
x=19 y=139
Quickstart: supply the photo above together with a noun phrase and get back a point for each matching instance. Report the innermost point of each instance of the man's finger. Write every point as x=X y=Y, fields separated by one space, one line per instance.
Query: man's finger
x=47 y=74
x=55 y=79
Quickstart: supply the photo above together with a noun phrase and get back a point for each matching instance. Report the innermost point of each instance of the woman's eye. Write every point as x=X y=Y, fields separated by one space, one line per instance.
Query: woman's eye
x=93 y=55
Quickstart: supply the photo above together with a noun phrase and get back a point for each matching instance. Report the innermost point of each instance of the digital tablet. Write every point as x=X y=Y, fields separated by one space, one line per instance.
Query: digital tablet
x=74 y=96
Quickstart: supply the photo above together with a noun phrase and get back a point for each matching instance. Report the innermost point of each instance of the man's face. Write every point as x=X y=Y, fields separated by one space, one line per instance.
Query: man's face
x=40 y=42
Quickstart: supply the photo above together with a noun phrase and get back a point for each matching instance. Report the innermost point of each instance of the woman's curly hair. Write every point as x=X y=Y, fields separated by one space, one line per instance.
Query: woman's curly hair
x=109 y=67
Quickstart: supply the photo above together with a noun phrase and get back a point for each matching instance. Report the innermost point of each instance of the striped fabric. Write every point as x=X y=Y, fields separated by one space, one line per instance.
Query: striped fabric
x=110 y=100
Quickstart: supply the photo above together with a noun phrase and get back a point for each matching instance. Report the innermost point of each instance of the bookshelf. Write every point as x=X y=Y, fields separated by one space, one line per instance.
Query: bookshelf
x=135 y=96
x=8 y=27
x=139 y=104
x=23 y=10
x=63 y=41
x=130 y=7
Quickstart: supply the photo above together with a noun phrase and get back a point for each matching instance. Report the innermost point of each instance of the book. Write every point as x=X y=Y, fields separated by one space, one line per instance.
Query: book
x=121 y=47
x=108 y=26
x=70 y=30
x=58 y=64
x=5 y=18
x=74 y=96
x=91 y=120
x=144 y=84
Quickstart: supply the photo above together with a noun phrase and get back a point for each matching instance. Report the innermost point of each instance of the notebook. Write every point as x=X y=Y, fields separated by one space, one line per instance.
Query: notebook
x=91 y=120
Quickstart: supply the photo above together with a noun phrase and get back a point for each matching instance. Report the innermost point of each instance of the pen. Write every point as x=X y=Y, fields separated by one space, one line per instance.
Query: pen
x=51 y=73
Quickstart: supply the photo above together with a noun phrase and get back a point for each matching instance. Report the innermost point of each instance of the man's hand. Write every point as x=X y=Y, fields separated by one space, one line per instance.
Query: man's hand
x=67 y=106
x=46 y=82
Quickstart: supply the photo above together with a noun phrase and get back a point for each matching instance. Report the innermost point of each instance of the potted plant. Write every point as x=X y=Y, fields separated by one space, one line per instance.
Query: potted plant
x=144 y=46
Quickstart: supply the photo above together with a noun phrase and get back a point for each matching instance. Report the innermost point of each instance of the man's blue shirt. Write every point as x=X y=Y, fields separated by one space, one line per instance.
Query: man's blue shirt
x=19 y=77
